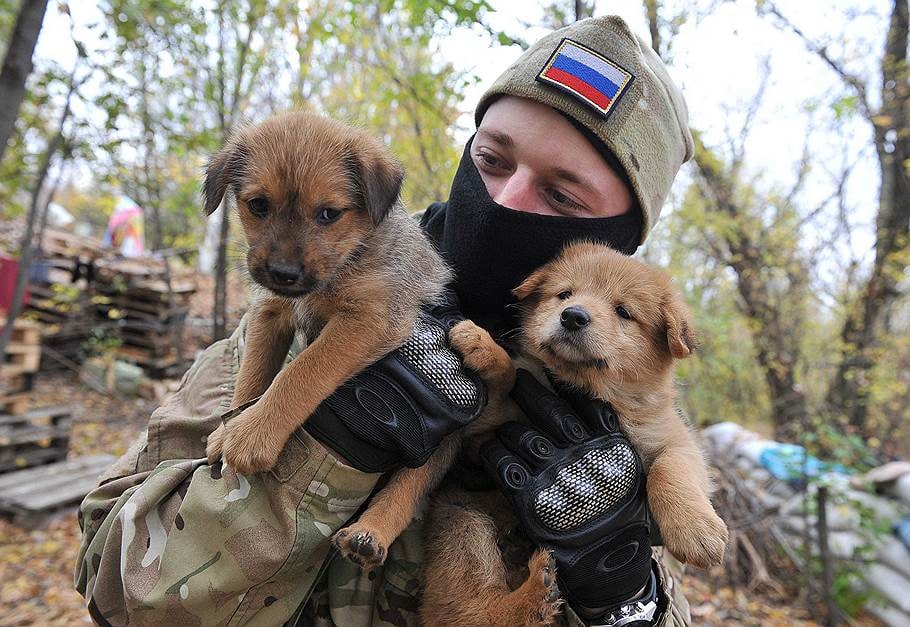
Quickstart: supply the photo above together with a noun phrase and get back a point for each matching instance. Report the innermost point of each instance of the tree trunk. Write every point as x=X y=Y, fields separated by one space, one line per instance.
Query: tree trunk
x=27 y=247
x=219 y=323
x=851 y=387
x=583 y=9
x=17 y=65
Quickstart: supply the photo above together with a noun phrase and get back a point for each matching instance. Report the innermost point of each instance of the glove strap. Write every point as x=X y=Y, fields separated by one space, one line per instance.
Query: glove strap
x=644 y=610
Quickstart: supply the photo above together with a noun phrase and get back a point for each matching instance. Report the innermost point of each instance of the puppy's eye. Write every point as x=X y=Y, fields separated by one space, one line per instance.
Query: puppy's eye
x=623 y=313
x=328 y=215
x=259 y=206
x=564 y=295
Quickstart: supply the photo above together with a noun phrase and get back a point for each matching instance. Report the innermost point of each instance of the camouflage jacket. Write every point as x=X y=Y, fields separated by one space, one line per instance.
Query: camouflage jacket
x=169 y=540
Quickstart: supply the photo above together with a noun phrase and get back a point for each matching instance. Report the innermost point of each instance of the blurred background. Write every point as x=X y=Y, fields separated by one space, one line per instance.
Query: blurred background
x=788 y=233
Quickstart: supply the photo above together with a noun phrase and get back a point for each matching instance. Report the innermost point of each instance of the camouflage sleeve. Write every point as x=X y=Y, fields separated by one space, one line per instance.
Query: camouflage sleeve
x=169 y=540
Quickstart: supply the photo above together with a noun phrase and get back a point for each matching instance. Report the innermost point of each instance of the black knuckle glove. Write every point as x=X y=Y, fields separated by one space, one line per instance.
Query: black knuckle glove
x=578 y=488
x=397 y=411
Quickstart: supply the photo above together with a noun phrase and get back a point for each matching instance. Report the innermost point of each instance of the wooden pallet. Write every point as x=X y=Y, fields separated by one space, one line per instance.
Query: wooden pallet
x=60 y=243
x=26 y=356
x=24 y=331
x=35 y=437
x=23 y=353
x=14 y=404
x=35 y=495
x=17 y=383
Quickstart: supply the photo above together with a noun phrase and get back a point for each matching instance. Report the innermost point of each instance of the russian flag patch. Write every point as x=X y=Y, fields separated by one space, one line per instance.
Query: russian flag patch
x=585 y=74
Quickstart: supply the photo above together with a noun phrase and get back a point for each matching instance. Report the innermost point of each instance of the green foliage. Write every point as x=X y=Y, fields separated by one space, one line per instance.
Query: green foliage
x=177 y=77
x=102 y=342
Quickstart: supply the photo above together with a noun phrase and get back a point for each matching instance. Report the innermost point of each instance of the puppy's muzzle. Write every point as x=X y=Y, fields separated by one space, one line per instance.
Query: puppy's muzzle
x=574 y=318
x=284 y=274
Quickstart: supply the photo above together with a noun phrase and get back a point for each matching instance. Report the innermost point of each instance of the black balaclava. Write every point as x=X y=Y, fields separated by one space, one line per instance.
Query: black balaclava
x=492 y=248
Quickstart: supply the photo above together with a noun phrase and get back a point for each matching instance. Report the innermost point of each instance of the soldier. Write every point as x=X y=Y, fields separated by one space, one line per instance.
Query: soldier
x=580 y=138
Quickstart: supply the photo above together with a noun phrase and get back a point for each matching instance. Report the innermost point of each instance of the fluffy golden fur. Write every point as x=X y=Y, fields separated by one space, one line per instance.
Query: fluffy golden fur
x=333 y=255
x=638 y=325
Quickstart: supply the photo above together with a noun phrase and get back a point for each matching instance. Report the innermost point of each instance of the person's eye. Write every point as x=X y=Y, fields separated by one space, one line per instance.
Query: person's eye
x=489 y=160
x=560 y=200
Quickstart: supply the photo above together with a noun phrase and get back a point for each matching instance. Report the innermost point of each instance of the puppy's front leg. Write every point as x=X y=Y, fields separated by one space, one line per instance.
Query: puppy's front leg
x=270 y=330
x=366 y=541
x=268 y=338
x=346 y=346
x=678 y=487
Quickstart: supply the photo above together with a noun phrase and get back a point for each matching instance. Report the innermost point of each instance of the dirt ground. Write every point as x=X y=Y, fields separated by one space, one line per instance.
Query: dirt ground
x=36 y=566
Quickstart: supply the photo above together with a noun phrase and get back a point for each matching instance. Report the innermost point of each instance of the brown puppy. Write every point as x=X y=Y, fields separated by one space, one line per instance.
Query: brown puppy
x=334 y=256
x=611 y=326
x=630 y=324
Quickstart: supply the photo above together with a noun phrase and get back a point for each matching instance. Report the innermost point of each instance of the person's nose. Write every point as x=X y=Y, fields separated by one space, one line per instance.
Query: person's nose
x=517 y=192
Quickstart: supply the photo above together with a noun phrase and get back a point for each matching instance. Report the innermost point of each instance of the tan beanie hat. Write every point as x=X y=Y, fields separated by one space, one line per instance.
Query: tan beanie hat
x=610 y=81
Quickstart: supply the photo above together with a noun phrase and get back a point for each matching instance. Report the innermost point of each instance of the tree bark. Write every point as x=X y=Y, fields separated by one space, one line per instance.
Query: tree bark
x=851 y=387
x=27 y=246
x=219 y=323
x=652 y=10
x=583 y=9
x=17 y=65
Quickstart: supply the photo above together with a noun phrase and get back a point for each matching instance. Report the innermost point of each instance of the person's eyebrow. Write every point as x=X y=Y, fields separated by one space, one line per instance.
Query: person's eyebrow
x=499 y=137
x=573 y=177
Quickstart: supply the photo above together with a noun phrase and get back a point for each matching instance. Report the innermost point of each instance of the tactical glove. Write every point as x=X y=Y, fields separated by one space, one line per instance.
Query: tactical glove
x=397 y=411
x=578 y=488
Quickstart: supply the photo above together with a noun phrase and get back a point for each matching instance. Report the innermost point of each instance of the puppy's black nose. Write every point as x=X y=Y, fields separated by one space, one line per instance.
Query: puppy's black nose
x=574 y=318
x=284 y=273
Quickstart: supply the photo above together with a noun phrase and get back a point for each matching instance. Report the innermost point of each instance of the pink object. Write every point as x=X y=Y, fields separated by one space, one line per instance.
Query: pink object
x=9 y=268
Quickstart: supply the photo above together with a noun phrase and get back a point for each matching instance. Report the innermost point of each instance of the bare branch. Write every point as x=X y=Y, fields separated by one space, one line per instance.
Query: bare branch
x=822 y=52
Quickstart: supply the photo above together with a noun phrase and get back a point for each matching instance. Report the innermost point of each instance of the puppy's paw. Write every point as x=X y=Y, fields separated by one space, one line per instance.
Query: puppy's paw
x=539 y=596
x=214 y=444
x=251 y=445
x=361 y=545
x=482 y=354
x=698 y=540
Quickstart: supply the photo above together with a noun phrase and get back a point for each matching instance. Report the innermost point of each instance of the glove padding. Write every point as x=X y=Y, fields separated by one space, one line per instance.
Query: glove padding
x=397 y=411
x=578 y=488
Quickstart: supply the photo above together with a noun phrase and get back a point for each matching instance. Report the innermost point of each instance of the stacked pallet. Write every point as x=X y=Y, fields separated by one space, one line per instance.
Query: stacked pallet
x=23 y=358
x=35 y=437
x=84 y=295
x=61 y=295
x=150 y=317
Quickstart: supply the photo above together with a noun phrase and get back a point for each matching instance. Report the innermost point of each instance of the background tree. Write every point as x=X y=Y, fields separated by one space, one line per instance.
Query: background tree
x=866 y=308
x=17 y=65
x=38 y=205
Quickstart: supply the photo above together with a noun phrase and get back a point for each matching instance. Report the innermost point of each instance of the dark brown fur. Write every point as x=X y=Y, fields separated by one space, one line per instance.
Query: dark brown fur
x=360 y=279
x=629 y=363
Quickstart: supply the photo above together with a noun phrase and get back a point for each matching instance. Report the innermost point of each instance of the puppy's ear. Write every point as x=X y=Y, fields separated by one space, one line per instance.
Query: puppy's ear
x=678 y=323
x=530 y=284
x=221 y=170
x=378 y=176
